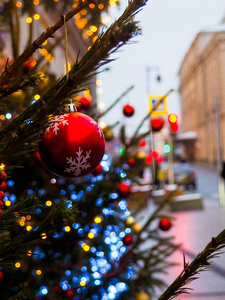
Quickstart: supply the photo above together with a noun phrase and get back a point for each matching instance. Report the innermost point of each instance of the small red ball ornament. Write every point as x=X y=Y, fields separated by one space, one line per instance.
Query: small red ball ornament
x=3 y=186
x=72 y=146
x=123 y=189
x=128 y=110
x=157 y=124
x=165 y=224
x=85 y=103
x=128 y=240
x=131 y=162
x=2 y=195
x=159 y=159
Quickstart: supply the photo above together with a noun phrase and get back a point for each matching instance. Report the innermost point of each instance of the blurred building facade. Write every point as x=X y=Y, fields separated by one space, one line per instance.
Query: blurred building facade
x=202 y=97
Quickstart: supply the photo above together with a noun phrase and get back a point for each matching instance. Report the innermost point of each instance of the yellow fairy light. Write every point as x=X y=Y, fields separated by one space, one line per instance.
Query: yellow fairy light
x=29 y=20
x=99 y=91
x=130 y=220
x=89 y=32
x=81 y=23
x=2 y=117
x=36 y=2
x=36 y=97
x=98 y=82
x=82 y=283
x=67 y=229
x=28 y=217
x=38 y=272
x=106 y=20
x=48 y=203
x=100 y=6
x=97 y=220
x=83 y=12
x=93 y=28
x=91 y=235
x=94 y=38
x=45 y=43
x=102 y=125
x=17 y=264
x=113 y=2
x=86 y=248
x=28 y=228
x=29 y=253
x=23 y=218
x=43 y=236
x=7 y=203
x=19 y=4
x=36 y=17
x=2 y=167
x=87 y=94
x=92 y=5
x=22 y=223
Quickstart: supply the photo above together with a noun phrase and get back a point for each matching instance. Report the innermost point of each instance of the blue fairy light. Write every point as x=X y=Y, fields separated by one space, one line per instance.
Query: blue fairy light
x=12 y=198
x=30 y=192
x=8 y=116
x=99 y=202
x=76 y=225
x=63 y=192
x=128 y=230
x=38 y=210
x=67 y=272
x=84 y=269
x=97 y=282
x=123 y=174
x=10 y=183
x=42 y=192
x=113 y=196
x=43 y=290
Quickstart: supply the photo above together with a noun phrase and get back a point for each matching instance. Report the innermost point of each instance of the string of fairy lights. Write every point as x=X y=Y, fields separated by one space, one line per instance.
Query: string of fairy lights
x=99 y=263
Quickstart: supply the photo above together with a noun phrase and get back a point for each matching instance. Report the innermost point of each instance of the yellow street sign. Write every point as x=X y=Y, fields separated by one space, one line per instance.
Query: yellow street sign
x=157 y=105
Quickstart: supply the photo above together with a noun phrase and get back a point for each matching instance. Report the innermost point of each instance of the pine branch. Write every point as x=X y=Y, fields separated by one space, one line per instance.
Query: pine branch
x=9 y=74
x=200 y=263
x=35 y=117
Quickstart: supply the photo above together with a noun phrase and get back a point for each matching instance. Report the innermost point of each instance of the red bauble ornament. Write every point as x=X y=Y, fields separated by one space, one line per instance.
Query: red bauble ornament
x=165 y=224
x=85 y=103
x=159 y=159
x=1 y=204
x=128 y=110
x=98 y=170
x=123 y=189
x=155 y=153
x=131 y=162
x=3 y=176
x=3 y=186
x=72 y=146
x=157 y=124
x=2 y=195
x=128 y=240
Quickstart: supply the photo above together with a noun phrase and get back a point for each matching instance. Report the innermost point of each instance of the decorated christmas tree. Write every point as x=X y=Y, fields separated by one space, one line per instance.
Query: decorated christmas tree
x=68 y=224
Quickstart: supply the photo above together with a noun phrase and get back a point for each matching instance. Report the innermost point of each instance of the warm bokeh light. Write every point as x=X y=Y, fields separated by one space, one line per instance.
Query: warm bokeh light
x=67 y=229
x=17 y=265
x=36 y=17
x=19 y=4
x=97 y=220
x=48 y=203
x=91 y=235
x=29 y=20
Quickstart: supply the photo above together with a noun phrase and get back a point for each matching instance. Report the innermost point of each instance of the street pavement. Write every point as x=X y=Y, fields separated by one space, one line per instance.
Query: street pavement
x=193 y=229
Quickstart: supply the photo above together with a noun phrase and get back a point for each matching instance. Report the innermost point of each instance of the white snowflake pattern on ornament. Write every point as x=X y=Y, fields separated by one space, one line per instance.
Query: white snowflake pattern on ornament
x=78 y=163
x=99 y=129
x=56 y=121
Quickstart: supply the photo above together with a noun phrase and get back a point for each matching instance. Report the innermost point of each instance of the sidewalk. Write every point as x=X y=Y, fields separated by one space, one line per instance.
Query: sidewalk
x=194 y=230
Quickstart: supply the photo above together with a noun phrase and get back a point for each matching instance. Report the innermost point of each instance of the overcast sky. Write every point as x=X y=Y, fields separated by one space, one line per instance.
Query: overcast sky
x=168 y=29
